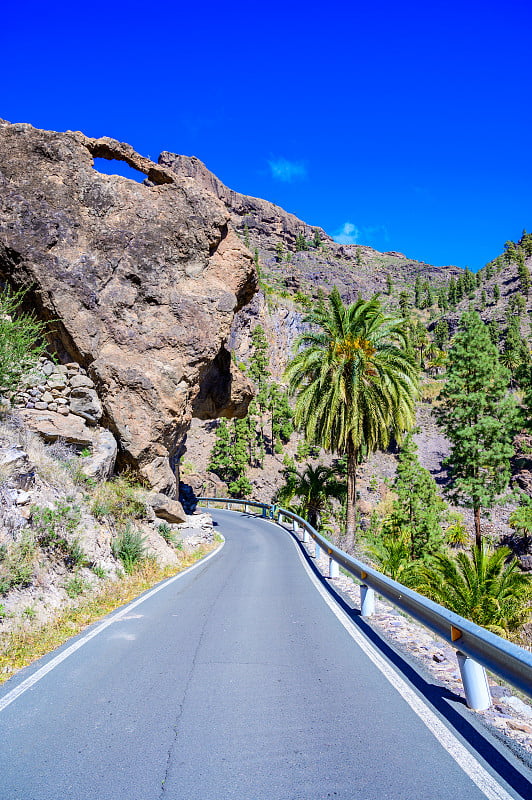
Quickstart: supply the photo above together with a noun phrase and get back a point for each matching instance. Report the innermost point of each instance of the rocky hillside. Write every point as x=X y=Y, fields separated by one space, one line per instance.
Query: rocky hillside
x=142 y=282
x=296 y=256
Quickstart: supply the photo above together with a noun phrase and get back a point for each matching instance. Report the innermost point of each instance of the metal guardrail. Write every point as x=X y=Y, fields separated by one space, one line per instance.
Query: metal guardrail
x=477 y=648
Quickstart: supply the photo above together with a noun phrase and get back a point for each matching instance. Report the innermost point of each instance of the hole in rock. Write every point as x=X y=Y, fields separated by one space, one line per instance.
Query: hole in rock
x=115 y=167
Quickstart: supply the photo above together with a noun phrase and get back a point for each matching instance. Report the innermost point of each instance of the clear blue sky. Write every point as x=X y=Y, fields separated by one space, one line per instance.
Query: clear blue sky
x=405 y=126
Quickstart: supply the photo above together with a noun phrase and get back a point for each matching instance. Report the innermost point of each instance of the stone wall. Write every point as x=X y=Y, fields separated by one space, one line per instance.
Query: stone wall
x=63 y=388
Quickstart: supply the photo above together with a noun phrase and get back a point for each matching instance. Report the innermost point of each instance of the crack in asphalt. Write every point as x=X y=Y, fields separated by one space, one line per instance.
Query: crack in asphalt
x=181 y=707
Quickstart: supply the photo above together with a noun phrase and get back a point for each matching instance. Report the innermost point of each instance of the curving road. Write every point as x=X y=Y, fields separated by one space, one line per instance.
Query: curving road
x=236 y=680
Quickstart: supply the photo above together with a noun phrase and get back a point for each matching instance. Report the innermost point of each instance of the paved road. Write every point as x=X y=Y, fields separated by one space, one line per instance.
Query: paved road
x=234 y=681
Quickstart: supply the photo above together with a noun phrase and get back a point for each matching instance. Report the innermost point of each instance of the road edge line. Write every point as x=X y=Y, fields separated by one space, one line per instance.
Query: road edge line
x=23 y=687
x=448 y=740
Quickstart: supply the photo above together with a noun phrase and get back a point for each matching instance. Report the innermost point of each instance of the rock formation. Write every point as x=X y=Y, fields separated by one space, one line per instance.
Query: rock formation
x=141 y=281
x=266 y=222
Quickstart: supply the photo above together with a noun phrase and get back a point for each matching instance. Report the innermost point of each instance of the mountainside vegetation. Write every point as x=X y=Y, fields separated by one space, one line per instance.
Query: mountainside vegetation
x=467 y=336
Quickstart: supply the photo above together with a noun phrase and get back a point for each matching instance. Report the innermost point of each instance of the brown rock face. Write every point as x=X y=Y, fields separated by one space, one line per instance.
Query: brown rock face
x=143 y=282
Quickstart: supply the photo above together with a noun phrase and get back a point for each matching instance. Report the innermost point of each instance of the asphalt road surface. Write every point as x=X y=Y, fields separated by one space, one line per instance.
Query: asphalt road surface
x=235 y=680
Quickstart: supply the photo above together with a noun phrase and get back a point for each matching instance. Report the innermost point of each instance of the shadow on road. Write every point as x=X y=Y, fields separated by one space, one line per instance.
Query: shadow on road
x=445 y=703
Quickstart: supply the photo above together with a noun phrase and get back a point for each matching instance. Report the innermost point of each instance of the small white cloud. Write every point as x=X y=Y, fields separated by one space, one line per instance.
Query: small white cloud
x=287 y=171
x=348 y=234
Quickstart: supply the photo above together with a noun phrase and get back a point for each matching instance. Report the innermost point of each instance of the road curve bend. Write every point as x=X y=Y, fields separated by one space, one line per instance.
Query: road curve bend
x=235 y=681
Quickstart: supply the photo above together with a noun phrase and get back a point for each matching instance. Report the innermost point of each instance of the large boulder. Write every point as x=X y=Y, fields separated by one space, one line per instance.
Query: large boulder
x=142 y=282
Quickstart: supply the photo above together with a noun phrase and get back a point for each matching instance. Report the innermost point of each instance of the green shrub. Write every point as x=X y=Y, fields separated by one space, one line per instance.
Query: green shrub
x=76 y=586
x=99 y=571
x=20 y=574
x=29 y=612
x=54 y=525
x=17 y=568
x=129 y=547
x=166 y=532
x=21 y=340
x=76 y=555
x=118 y=501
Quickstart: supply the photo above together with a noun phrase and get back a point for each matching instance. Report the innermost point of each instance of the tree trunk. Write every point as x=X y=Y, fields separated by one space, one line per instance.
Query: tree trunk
x=478 y=537
x=352 y=456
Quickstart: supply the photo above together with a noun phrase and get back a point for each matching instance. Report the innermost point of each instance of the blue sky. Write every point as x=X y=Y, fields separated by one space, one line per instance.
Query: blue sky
x=404 y=126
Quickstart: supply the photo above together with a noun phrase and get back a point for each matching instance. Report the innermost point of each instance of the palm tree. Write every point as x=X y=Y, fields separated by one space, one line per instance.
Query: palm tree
x=354 y=382
x=484 y=587
x=521 y=520
x=391 y=555
x=313 y=486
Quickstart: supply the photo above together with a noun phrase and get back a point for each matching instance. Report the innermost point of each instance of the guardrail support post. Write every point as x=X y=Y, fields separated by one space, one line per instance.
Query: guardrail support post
x=334 y=571
x=317 y=550
x=264 y=509
x=305 y=536
x=294 y=526
x=367 y=601
x=475 y=682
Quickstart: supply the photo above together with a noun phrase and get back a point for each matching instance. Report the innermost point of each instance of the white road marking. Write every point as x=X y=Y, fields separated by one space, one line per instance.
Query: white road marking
x=480 y=776
x=11 y=696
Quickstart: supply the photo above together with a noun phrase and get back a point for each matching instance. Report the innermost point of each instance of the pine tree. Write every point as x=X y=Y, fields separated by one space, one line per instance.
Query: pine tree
x=404 y=303
x=301 y=243
x=279 y=252
x=511 y=352
x=453 y=299
x=511 y=252
x=483 y=300
x=429 y=296
x=478 y=416
x=259 y=372
x=281 y=417
x=229 y=456
x=496 y=292
x=493 y=330
x=316 y=239
x=418 y=511
x=460 y=289
x=239 y=485
x=389 y=284
x=220 y=458
x=441 y=333
x=417 y=293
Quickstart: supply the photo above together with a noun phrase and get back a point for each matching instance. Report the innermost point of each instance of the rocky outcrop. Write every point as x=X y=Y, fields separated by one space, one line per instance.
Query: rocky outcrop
x=142 y=282
x=265 y=221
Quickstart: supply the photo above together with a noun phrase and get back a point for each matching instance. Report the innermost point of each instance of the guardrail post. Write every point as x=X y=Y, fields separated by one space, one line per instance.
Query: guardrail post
x=367 y=601
x=476 y=688
x=264 y=509
x=228 y=506
x=317 y=550
x=305 y=536
x=294 y=526
x=334 y=570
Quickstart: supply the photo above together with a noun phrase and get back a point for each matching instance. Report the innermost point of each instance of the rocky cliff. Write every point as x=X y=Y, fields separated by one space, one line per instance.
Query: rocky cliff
x=141 y=281
x=352 y=268
x=267 y=223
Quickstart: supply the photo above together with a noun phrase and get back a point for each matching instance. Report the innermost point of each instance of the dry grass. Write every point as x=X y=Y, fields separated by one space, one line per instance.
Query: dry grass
x=24 y=645
x=52 y=462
